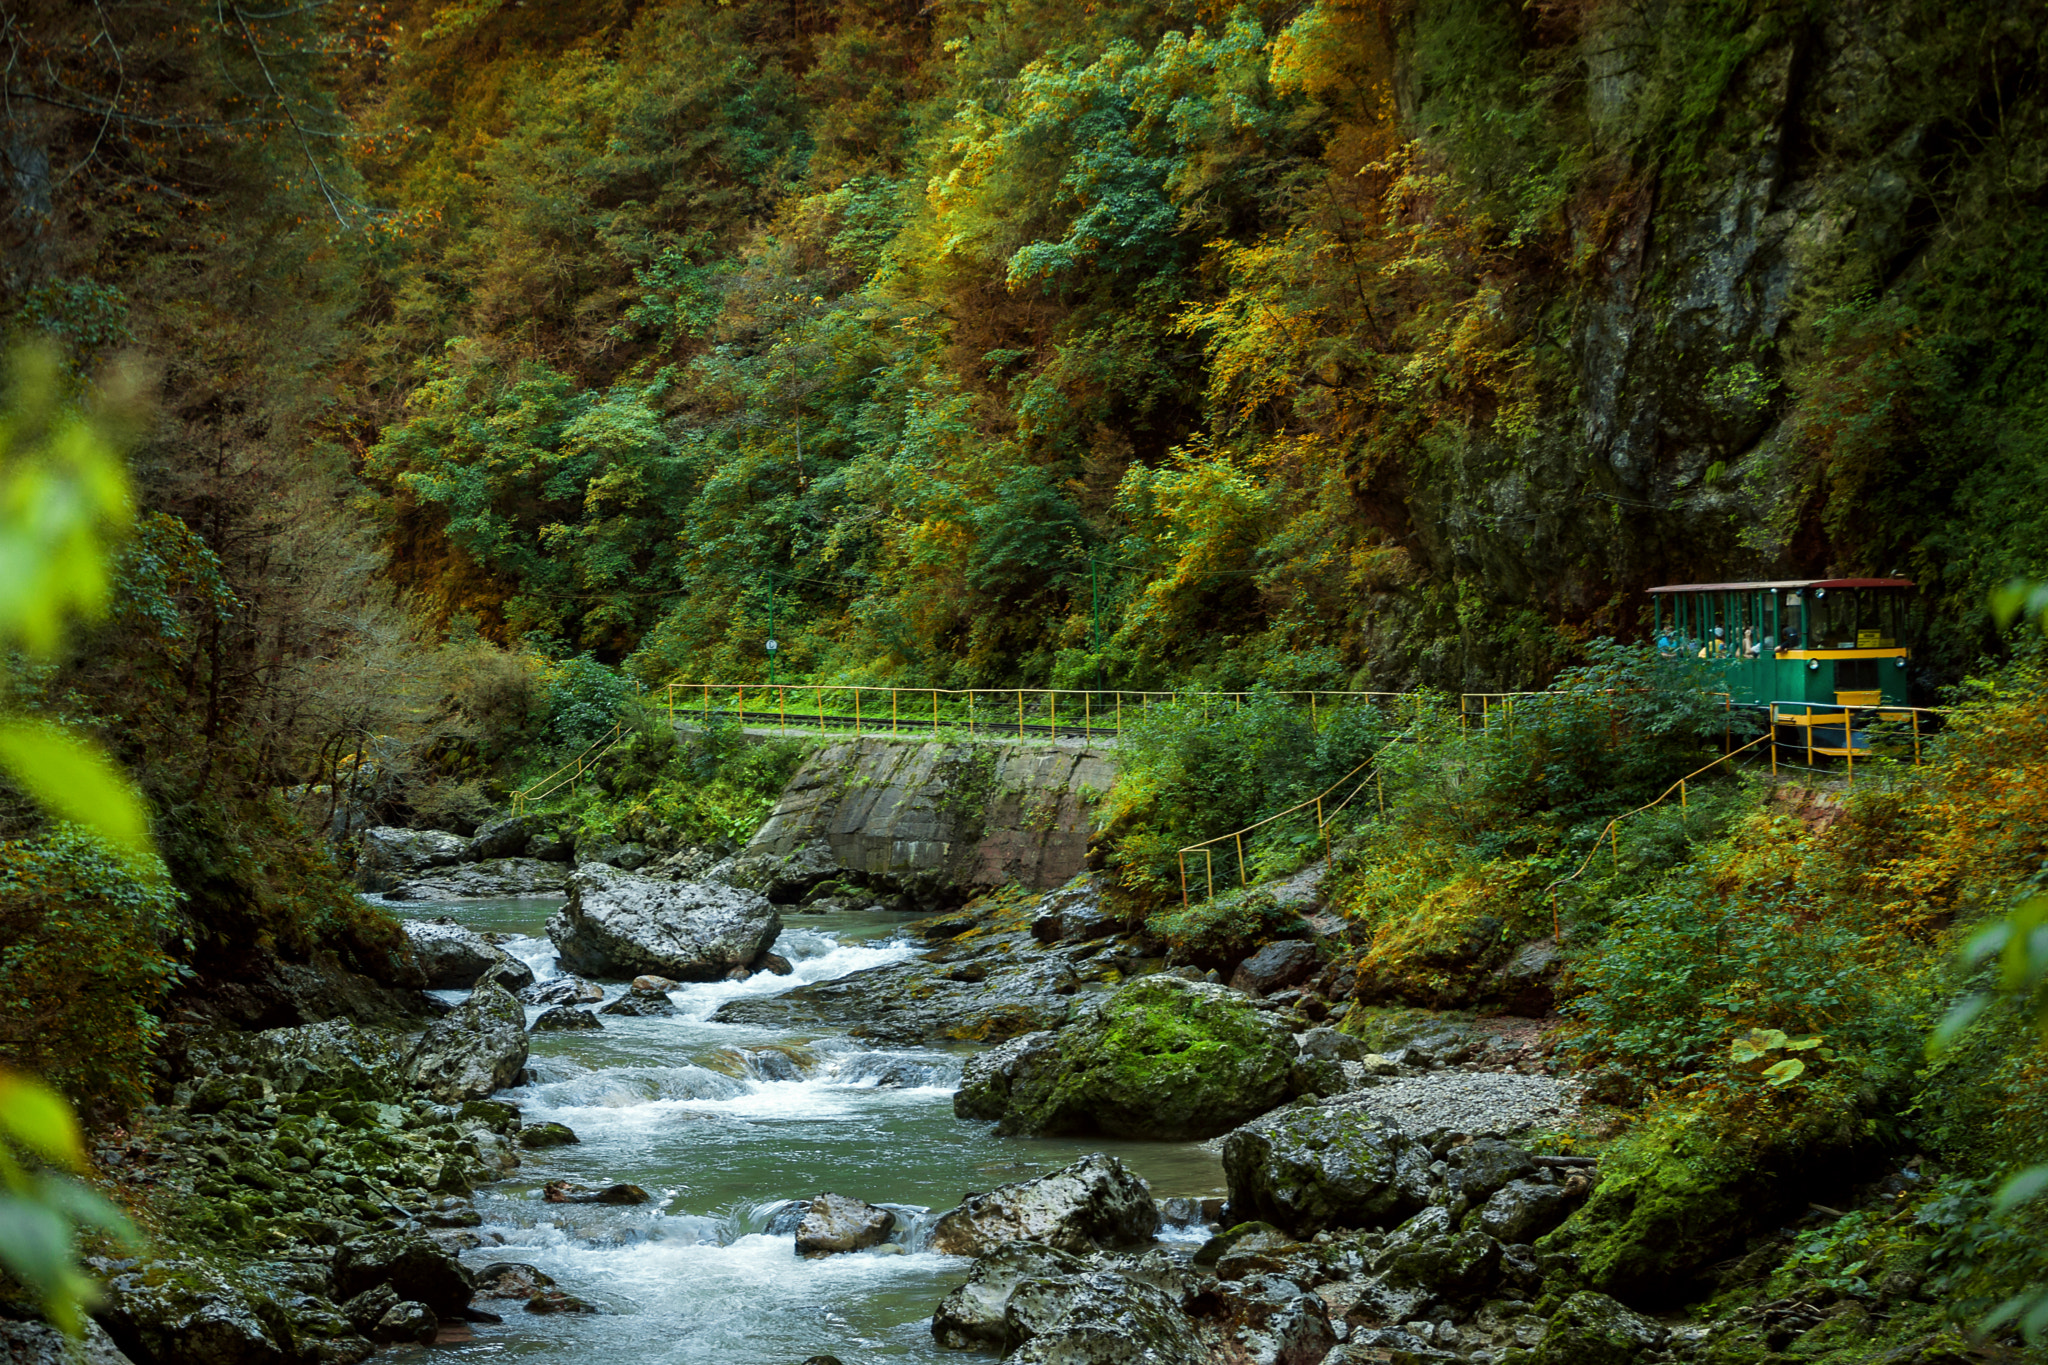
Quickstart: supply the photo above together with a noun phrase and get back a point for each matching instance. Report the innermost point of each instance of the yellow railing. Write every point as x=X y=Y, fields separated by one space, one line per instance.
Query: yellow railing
x=998 y=712
x=1022 y=712
x=1323 y=822
x=1841 y=717
x=572 y=772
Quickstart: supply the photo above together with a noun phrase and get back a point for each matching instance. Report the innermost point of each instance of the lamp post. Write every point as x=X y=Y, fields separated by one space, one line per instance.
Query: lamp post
x=771 y=630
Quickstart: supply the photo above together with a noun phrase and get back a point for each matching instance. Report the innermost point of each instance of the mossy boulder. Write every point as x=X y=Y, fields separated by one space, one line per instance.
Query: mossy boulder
x=1681 y=1196
x=1593 y=1329
x=1310 y=1168
x=1163 y=1058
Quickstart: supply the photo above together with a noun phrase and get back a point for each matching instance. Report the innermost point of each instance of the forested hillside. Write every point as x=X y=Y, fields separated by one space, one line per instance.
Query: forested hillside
x=1367 y=344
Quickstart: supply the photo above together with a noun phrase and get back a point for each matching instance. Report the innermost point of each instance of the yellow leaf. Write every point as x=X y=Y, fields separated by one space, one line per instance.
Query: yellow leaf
x=37 y=1118
x=72 y=780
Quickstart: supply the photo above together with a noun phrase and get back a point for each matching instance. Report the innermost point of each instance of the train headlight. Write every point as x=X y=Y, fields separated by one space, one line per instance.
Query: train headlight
x=1813 y=665
x=1898 y=663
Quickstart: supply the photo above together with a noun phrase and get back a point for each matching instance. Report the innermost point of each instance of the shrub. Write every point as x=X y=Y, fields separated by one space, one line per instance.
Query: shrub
x=584 y=699
x=82 y=964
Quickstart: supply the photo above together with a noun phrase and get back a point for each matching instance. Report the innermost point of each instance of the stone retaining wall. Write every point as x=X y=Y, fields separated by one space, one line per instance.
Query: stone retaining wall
x=972 y=814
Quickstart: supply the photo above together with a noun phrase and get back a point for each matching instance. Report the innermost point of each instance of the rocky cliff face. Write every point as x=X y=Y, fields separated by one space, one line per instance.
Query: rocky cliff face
x=963 y=815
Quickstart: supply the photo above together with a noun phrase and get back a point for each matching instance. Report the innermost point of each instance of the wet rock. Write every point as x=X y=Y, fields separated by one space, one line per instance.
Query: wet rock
x=552 y=846
x=972 y=1317
x=565 y=1192
x=1445 y=1047
x=1163 y=1058
x=1270 y=1320
x=506 y=836
x=1592 y=1329
x=1485 y=1165
x=1524 y=1210
x=38 y=1343
x=563 y=990
x=658 y=985
x=616 y=924
x=986 y=1077
x=1094 y=1202
x=1426 y=1252
x=784 y=876
x=484 y=881
x=411 y=1267
x=566 y=1018
x=331 y=1056
x=1280 y=964
x=365 y=1310
x=1101 y=1318
x=450 y=955
x=477 y=1048
x=1074 y=914
x=647 y=1004
x=1310 y=1168
x=834 y=1223
x=558 y=1301
x=775 y=964
x=535 y=1136
x=1327 y=1044
x=1249 y=1249
x=507 y=972
x=511 y=1280
x=388 y=855
x=988 y=993
x=624 y=854
x=406 y=1321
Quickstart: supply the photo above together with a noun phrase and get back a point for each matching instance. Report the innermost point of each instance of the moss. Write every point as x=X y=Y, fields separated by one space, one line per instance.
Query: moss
x=1164 y=1059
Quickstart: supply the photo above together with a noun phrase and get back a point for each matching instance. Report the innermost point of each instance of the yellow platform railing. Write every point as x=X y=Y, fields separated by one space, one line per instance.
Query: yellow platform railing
x=572 y=772
x=1323 y=822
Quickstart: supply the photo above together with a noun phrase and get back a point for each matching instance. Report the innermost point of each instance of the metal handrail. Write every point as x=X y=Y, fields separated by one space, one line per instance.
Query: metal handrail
x=1106 y=703
x=1322 y=823
x=572 y=772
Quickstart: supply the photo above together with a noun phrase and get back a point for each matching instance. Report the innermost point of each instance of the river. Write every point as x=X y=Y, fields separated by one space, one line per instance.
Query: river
x=713 y=1122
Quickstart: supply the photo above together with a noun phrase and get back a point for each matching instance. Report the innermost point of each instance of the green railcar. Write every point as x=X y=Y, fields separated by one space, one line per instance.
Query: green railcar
x=1798 y=644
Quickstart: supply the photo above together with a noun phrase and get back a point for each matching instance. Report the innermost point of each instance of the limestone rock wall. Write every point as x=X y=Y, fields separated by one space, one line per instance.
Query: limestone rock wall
x=964 y=813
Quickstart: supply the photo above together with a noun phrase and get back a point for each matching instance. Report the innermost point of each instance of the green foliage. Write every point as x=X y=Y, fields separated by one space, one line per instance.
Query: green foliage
x=1222 y=932
x=585 y=700
x=82 y=963
x=1190 y=771
x=40 y=1209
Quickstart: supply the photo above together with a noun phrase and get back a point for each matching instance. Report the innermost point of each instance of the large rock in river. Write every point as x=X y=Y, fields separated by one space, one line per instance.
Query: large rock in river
x=452 y=956
x=1093 y=1203
x=188 y=1313
x=388 y=855
x=1309 y=1168
x=619 y=925
x=473 y=1050
x=1163 y=1058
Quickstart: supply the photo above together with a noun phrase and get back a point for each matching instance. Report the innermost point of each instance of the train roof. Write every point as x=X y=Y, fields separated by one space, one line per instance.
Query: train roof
x=1789 y=583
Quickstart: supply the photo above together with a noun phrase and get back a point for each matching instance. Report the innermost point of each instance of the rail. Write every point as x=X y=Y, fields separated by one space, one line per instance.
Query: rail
x=1023 y=712
x=1840 y=717
x=1322 y=822
x=572 y=772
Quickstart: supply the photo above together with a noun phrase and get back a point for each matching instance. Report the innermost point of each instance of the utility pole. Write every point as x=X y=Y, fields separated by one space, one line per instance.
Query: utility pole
x=771 y=629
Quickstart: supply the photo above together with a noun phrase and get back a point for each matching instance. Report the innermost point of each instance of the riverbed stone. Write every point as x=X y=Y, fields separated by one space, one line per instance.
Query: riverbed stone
x=484 y=881
x=413 y=1268
x=565 y=1018
x=535 y=1136
x=171 y=1312
x=562 y=990
x=972 y=1316
x=1163 y=1058
x=1269 y=1320
x=1485 y=1165
x=835 y=1223
x=1092 y=1203
x=406 y=1320
x=1309 y=1168
x=1107 y=1317
x=452 y=956
x=986 y=1077
x=474 y=1050
x=388 y=855
x=618 y=925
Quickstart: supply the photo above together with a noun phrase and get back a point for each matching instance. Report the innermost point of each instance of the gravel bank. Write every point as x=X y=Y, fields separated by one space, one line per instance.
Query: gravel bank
x=1496 y=1103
